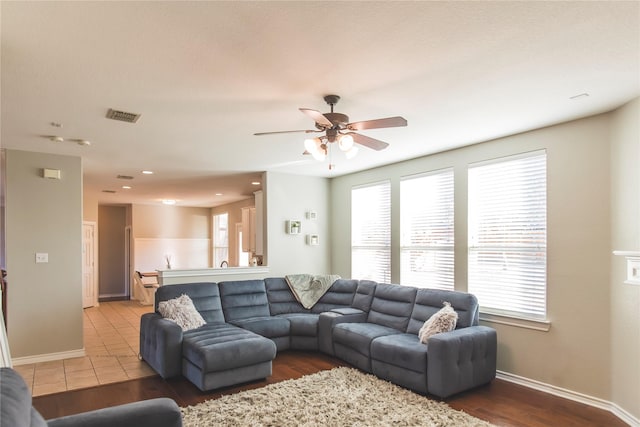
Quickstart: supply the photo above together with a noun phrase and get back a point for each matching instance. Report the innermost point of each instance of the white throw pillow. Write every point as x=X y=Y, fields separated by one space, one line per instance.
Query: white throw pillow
x=182 y=311
x=443 y=321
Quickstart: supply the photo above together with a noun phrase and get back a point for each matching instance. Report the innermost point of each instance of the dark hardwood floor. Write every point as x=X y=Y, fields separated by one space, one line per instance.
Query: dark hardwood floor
x=501 y=403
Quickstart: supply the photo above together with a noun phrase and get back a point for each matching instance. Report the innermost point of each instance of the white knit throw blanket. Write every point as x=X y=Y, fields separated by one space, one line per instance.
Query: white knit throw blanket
x=308 y=289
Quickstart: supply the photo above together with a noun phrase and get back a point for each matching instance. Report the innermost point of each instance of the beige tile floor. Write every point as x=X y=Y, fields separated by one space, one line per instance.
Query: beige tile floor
x=111 y=341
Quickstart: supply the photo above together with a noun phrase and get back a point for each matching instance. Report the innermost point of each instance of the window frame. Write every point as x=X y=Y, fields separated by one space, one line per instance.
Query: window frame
x=532 y=318
x=445 y=252
x=384 y=248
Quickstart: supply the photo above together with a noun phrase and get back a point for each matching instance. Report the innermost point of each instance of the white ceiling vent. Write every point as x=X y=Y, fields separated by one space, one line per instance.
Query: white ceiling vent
x=122 y=116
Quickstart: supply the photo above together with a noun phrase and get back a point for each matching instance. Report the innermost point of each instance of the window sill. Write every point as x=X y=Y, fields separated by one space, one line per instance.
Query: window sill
x=519 y=322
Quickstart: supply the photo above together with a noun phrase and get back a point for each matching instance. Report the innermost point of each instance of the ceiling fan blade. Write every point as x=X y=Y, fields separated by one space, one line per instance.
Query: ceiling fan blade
x=287 y=131
x=389 y=122
x=372 y=143
x=317 y=116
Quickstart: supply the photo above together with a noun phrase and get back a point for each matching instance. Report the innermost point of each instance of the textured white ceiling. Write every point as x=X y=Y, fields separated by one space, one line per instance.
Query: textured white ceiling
x=206 y=75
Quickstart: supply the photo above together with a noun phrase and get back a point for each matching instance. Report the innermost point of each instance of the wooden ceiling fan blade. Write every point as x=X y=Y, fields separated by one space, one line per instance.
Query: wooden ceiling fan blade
x=287 y=131
x=372 y=143
x=317 y=116
x=389 y=122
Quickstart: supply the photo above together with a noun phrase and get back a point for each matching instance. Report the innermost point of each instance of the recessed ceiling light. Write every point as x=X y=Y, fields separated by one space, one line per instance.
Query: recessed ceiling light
x=255 y=183
x=126 y=187
x=147 y=172
x=168 y=202
x=218 y=194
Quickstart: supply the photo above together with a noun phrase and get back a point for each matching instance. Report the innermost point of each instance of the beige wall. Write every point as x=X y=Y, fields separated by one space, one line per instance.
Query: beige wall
x=290 y=197
x=235 y=216
x=174 y=222
x=89 y=207
x=625 y=233
x=164 y=222
x=574 y=354
x=44 y=215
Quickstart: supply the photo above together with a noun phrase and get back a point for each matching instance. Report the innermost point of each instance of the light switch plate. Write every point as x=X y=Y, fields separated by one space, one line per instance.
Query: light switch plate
x=42 y=257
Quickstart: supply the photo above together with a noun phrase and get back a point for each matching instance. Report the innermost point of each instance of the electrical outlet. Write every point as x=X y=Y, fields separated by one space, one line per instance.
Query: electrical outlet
x=42 y=257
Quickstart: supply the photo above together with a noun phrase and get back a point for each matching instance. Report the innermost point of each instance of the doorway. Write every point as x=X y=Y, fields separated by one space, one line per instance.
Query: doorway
x=113 y=247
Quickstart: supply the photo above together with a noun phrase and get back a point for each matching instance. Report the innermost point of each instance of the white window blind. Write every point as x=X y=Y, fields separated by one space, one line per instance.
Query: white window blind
x=426 y=226
x=371 y=232
x=508 y=235
x=220 y=239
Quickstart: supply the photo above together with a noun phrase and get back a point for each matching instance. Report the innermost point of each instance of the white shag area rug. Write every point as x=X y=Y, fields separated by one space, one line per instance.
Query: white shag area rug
x=339 y=397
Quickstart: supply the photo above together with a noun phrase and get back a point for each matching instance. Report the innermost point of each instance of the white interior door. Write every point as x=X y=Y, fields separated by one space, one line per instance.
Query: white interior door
x=89 y=288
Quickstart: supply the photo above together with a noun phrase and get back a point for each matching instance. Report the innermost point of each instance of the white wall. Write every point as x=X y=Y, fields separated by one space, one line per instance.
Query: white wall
x=574 y=354
x=44 y=215
x=290 y=197
x=625 y=233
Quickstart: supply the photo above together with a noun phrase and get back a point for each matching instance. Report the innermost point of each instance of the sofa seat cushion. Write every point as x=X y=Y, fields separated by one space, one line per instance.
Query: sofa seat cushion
x=267 y=326
x=402 y=350
x=359 y=336
x=219 y=347
x=303 y=324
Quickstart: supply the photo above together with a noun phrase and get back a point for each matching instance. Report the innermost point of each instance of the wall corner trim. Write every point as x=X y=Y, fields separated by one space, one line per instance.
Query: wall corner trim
x=596 y=402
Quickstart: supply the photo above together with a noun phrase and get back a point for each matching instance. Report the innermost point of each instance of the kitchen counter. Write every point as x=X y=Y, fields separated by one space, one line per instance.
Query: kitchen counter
x=194 y=275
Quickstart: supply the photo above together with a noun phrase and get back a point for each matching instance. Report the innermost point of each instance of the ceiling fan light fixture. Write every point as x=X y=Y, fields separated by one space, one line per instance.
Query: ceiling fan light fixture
x=310 y=144
x=320 y=153
x=317 y=149
x=345 y=142
x=351 y=153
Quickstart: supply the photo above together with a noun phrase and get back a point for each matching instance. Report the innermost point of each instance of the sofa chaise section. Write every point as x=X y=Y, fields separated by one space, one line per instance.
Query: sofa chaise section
x=215 y=355
x=221 y=354
x=161 y=339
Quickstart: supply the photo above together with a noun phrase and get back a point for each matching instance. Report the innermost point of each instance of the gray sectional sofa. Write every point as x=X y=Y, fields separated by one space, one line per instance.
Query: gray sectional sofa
x=372 y=326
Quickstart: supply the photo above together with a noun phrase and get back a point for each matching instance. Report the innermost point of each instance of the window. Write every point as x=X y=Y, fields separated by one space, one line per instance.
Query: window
x=371 y=232
x=508 y=235
x=426 y=227
x=220 y=239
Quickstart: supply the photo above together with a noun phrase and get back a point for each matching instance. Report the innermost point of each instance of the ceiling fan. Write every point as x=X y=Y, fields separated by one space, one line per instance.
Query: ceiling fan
x=336 y=127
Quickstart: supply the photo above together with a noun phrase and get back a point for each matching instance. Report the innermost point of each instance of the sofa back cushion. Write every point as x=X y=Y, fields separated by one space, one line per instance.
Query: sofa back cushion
x=339 y=295
x=281 y=299
x=430 y=301
x=364 y=295
x=205 y=297
x=243 y=299
x=392 y=306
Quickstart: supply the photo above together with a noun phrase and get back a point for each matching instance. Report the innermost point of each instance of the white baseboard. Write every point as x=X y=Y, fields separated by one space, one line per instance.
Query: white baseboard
x=571 y=395
x=39 y=358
